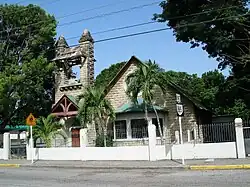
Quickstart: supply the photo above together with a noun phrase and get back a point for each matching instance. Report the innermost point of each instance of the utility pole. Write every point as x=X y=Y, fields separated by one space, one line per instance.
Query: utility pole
x=180 y=113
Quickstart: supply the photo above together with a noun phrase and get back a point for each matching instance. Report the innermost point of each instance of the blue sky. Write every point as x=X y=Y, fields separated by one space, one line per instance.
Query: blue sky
x=159 y=46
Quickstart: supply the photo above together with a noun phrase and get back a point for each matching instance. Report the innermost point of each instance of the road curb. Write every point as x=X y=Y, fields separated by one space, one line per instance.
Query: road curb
x=220 y=167
x=108 y=167
x=9 y=165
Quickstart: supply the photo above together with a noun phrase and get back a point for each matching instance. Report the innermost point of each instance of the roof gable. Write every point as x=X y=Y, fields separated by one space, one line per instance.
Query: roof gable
x=132 y=60
x=66 y=106
x=135 y=60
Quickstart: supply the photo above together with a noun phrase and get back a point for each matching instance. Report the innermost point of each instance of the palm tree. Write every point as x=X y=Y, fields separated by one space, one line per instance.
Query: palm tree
x=93 y=107
x=47 y=128
x=143 y=80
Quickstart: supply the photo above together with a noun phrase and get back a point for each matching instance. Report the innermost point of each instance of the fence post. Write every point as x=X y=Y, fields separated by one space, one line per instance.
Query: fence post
x=240 y=145
x=6 y=146
x=152 y=141
x=177 y=137
x=84 y=137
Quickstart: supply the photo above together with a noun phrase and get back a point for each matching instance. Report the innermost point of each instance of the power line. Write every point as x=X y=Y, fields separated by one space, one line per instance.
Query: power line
x=89 y=18
x=162 y=29
x=116 y=29
x=28 y=7
x=91 y=9
x=108 y=14
x=111 y=13
x=145 y=32
x=133 y=34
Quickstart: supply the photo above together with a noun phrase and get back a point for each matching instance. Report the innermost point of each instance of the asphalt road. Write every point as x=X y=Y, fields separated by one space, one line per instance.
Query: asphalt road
x=40 y=177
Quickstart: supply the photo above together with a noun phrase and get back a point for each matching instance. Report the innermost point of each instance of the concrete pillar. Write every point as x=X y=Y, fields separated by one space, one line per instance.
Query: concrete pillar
x=84 y=137
x=177 y=137
x=152 y=141
x=188 y=135
x=29 y=149
x=240 y=145
x=6 y=146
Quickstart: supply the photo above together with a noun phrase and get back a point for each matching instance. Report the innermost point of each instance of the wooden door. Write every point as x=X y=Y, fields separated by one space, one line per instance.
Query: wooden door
x=75 y=135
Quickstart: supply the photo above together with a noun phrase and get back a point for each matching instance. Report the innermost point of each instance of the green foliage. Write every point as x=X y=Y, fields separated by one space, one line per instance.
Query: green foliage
x=47 y=129
x=144 y=80
x=26 y=75
x=222 y=30
x=205 y=88
x=93 y=107
x=100 y=141
x=106 y=75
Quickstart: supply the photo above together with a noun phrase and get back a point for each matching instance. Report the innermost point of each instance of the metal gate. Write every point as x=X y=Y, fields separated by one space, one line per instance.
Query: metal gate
x=246 y=132
x=17 y=148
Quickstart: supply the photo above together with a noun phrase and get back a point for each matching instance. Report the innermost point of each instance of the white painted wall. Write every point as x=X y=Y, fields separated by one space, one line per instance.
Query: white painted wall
x=57 y=153
x=191 y=151
x=91 y=153
x=1 y=154
x=116 y=153
x=198 y=151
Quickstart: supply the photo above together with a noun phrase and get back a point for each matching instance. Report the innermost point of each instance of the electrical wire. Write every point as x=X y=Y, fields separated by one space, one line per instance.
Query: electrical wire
x=89 y=18
x=155 y=30
x=99 y=16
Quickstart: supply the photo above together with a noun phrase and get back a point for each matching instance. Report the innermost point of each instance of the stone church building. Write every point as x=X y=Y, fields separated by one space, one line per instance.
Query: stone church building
x=130 y=127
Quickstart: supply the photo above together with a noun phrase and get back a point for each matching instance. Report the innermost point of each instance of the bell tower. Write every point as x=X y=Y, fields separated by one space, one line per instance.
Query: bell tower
x=67 y=59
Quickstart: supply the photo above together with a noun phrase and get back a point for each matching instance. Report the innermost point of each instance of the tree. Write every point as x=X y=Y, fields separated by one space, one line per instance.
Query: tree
x=205 y=88
x=219 y=27
x=47 y=129
x=94 y=108
x=106 y=75
x=144 y=80
x=26 y=74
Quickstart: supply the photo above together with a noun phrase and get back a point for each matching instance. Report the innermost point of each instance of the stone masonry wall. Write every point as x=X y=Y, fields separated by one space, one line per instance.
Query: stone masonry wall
x=73 y=92
x=117 y=95
x=168 y=100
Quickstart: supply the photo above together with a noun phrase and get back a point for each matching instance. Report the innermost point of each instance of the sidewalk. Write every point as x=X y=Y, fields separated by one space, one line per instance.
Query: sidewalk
x=163 y=164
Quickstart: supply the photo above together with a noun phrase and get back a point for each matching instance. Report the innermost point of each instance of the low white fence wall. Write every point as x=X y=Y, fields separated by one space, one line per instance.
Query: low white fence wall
x=190 y=151
x=197 y=151
x=90 y=153
x=1 y=154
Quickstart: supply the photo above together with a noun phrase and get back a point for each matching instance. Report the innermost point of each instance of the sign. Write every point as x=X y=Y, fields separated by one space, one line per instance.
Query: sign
x=13 y=136
x=180 y=109
x=31 y=120
x=23 y=135
x=178 y=98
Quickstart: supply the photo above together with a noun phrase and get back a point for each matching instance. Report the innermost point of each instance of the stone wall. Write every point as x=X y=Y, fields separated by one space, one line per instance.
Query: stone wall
x=86 y=74
x=117 y=95
x=168 y=100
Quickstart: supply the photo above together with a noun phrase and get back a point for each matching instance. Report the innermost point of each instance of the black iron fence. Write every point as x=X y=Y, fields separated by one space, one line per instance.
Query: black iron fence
x=217 y=132
x=246 y=129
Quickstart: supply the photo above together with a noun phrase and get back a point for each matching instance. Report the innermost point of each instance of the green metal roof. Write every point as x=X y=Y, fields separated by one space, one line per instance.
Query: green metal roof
x=131 y=107
x=16 y=128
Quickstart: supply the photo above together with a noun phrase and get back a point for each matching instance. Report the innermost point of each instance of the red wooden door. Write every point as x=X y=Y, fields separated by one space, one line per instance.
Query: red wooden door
x=75 y=135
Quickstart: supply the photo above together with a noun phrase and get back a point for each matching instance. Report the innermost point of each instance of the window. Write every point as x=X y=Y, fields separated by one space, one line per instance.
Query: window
x=154 y=121
x=139 y=128
x=121 y=129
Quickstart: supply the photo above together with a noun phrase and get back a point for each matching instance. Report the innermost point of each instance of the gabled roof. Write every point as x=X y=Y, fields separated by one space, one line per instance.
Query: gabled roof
x=65 y=106
x=69 y=97
x=121 y=72
x=134 y=59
